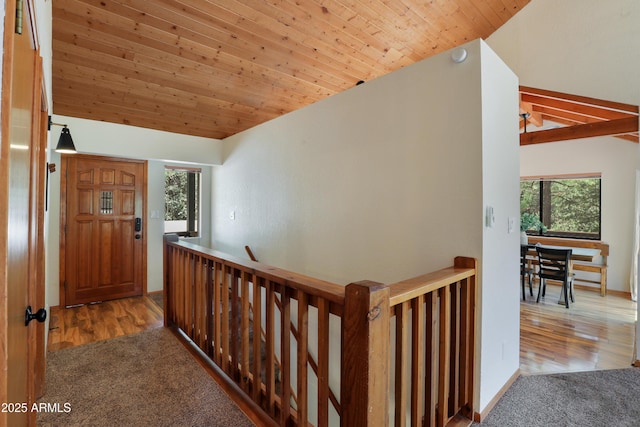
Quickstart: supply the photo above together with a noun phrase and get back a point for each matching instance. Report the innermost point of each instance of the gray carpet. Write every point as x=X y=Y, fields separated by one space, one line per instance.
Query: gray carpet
x=598 y=399
x=145 y=379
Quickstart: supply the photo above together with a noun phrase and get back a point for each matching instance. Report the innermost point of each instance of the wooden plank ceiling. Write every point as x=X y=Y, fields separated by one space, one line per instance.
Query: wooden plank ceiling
x=573 y=117
x=215 y=68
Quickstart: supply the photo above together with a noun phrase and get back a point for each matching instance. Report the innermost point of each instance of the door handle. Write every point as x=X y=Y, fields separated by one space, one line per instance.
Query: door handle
x=40 y=315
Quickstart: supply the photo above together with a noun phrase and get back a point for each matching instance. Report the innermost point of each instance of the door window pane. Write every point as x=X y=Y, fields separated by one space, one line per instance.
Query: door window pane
x=106 y=202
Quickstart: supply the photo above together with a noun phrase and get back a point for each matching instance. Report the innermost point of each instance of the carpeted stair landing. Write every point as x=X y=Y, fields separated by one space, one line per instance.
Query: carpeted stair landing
x=145 y=379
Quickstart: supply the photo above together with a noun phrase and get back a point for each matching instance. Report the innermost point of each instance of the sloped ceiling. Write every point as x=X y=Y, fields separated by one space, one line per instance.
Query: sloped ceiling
x=215 y=68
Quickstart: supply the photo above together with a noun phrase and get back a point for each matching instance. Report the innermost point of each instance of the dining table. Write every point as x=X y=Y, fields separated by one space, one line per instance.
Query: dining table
x=577 y=254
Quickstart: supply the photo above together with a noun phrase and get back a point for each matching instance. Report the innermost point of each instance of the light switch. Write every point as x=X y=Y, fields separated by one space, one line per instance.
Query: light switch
x=490 y=218
x=232 y=215
x=512 y=224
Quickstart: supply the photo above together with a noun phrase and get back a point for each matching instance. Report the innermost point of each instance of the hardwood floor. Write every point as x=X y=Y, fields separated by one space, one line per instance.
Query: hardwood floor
x=594 y=333
x=95 y=322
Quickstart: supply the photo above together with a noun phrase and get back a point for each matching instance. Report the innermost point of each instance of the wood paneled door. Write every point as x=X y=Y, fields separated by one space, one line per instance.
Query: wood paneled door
x=22 y=167
x=103 y=245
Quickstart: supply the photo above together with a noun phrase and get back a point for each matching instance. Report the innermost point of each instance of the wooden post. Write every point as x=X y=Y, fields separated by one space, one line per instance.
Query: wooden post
x=364 y=392
x=167 y=276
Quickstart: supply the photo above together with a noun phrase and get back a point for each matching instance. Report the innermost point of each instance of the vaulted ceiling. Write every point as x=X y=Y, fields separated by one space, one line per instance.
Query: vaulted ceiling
x=215 y=68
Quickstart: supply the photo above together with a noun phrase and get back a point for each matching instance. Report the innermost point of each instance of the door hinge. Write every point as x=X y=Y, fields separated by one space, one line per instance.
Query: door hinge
x=19 y=12
x=65 y=285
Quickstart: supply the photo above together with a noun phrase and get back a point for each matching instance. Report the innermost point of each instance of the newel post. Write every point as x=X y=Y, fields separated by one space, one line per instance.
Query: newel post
x=167 y=276
x=364 y=392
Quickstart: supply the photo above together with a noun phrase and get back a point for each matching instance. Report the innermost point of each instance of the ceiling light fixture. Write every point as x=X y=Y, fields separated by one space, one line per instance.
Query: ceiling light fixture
x=65 y=143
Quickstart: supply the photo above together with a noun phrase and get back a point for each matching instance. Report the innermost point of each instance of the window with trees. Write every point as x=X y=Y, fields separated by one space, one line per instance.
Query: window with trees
x=182 y=201
x=567 y=207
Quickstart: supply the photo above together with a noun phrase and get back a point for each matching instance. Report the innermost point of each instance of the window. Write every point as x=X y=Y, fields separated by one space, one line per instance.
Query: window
x=568 y=207
x=181 y=201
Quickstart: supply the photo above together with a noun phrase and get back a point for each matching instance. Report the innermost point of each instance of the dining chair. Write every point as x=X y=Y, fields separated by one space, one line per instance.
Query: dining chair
x=525 y=270
x=555 y=264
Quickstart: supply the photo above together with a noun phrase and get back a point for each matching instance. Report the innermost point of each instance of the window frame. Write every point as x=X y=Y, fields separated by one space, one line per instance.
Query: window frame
x=546 y=221
x=194 y=207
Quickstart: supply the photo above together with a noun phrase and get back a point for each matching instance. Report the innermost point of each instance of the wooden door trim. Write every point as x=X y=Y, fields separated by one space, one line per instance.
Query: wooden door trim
x=5 y=122
x=63 y=216
x=36 y=291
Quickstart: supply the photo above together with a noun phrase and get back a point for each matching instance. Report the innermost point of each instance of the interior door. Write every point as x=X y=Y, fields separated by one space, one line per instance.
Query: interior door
x=20 y=169
x=104 y=235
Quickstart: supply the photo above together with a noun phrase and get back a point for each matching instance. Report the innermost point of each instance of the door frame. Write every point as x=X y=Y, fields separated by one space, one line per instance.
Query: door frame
x=63 y=216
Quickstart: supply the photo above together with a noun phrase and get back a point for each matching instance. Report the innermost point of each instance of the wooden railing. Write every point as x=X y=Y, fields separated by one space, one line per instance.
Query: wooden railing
x=272 y=332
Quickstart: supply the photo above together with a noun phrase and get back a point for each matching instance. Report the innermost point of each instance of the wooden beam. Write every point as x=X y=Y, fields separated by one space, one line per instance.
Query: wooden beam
x=610 y=105
x=611 y=127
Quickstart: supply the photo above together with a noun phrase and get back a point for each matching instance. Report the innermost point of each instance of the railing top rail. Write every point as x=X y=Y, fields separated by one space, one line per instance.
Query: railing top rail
x=423 y=284
x=330 y=291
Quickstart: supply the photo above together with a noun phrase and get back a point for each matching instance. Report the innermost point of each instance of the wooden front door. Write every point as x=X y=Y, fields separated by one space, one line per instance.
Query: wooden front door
x=103 y=249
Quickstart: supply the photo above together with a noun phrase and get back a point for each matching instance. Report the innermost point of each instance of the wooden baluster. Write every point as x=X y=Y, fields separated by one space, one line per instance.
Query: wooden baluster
x=270 y=353
x=323 y=362
x=210 y=289
x=365 y=355
x=257 y=339
x=217 y=311
x=197 y=300
x=454 y=360
x=203 y=304
x=244 y=347
x=467 y=332
x=303 y=357
x=402 y=362
x=444 y=323
x=235 y=324
x=464 y=345
x=169 y=282
x=431 y=348
x=285 y=355
x=417 y=360
x=186 y=281
x=178 y=285
x=175 y=285
x=173 y=288
x=224 y=318
x=180 y=289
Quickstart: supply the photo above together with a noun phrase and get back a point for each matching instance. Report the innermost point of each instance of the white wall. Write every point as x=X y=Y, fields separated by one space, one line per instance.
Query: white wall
x=384 y=182
x=582 y=47
x=589 y=48
x=111 y=139
x=361 y=185
x=500 y=349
